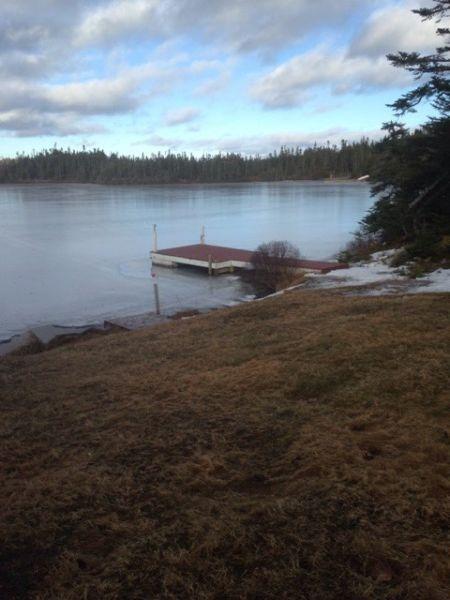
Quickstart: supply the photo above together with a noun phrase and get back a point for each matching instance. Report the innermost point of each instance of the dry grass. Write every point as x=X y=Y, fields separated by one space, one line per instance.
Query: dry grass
x=292 y=448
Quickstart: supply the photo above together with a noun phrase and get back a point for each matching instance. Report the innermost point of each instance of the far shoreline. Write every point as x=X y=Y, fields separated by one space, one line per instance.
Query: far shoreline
x=346 y=180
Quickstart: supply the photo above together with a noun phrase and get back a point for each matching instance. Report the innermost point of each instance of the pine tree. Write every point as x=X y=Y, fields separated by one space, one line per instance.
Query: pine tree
x=434 y=68
x=413 y=169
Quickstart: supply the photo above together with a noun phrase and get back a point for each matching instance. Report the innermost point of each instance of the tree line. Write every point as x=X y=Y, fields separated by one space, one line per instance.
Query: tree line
x=348 y=160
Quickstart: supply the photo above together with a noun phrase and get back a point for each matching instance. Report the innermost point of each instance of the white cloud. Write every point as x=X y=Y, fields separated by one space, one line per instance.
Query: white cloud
x=158 y=141
x=264 y=144
x=213 y=85
x=395 y=28
x=92 y=97
x=291 y=83
x=360 y=68
x=202 y=66
x=180 y=116
x=259 y=144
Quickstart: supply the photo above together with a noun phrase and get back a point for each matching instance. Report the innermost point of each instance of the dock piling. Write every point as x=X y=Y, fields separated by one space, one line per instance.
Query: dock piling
x=156 y=293
x=155 y=239
x=210 y=269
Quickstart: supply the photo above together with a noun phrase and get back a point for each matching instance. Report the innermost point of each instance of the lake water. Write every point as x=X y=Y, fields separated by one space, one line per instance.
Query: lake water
x=72 y=254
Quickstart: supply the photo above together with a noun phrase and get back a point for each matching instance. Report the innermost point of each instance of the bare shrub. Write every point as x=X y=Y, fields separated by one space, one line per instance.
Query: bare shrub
x=360 y=248
x=275 y=265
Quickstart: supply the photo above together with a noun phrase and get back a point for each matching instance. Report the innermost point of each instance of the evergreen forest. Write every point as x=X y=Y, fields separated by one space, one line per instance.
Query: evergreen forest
x=348 y=160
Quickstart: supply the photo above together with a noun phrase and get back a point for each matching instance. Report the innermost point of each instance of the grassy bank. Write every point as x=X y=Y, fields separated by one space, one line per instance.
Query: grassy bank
x=292 y=448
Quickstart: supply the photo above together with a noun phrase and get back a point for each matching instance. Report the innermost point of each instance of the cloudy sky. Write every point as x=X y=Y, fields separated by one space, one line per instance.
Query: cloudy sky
x=137 y=76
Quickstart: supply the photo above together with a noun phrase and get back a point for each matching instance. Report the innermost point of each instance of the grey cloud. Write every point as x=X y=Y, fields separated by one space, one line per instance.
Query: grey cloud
x=25 y=64
x=26 y=37
x=90 y=98
x=263 y=26
x=112 y=21
x=244 y=26
x=35 y=36
x=25 y=123
x=28 y=25
x=58 y=108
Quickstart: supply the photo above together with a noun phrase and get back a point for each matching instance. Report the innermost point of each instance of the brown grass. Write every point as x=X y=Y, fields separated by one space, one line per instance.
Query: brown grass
x=292 y=448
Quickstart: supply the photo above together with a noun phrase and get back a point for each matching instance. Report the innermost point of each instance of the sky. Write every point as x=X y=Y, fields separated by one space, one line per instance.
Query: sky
x=201 y=76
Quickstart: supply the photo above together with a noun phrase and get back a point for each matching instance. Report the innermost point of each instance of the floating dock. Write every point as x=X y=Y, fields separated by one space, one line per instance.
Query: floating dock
x=220 y=259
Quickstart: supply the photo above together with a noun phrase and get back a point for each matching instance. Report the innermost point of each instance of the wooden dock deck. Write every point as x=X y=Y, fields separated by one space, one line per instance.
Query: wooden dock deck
x=220 y=259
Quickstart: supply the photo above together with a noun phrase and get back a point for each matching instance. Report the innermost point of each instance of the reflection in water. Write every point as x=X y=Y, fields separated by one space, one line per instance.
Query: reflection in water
x=70 y=254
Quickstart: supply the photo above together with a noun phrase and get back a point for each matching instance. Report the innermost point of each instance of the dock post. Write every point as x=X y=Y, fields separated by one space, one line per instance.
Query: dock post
x=155 y=239
x=156 y=292
x=210 y=269
x=202 y=235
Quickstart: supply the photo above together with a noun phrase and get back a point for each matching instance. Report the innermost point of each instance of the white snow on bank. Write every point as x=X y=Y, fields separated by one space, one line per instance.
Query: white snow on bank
x=378 y=272
x=435 y=282
x=374 y=271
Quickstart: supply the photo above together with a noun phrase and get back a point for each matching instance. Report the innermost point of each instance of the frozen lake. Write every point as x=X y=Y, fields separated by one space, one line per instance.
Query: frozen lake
x=72 y=254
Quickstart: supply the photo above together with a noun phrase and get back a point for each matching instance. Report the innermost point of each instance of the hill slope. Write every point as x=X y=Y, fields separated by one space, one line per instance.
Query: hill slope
x=292 y=448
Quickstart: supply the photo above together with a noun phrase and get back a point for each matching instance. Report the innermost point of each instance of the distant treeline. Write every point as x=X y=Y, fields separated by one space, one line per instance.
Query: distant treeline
x=95 y=166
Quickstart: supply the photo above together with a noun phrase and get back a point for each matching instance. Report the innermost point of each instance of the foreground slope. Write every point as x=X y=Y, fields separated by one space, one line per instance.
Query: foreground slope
x=291 y=448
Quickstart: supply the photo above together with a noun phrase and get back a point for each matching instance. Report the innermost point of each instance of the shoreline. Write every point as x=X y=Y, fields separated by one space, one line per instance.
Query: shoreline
x=49 y=335
x=371 y=278
x=345 y=180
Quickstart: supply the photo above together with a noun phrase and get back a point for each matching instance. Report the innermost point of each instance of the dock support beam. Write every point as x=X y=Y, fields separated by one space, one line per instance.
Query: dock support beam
x=156 y=292
x=155 y=239
x=210 y=269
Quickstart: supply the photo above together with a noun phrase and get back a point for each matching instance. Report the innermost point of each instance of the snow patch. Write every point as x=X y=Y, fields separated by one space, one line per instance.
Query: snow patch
x=389 y=279
x=364 y=273
x=435 y=282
